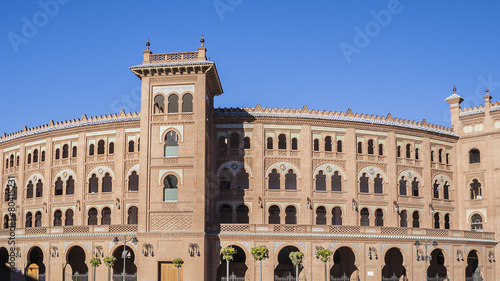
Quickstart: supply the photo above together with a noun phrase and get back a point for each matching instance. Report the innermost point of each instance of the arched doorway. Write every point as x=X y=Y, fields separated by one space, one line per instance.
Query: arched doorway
x=130 y=267
x=75 y=262
x=237 y=266
x=35 y=268
x=285 y=267
x=343 y=260
x=393 y=267
x=4 y=268
x=436 y=267
x=472 y=271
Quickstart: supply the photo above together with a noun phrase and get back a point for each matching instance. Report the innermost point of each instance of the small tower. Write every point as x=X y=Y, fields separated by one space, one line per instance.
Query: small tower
x=455 y=100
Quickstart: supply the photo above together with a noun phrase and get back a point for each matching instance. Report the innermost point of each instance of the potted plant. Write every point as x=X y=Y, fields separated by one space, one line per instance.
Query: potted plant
x=95 y=262
x=259 y=253
x=178 y=263
x=227 y=255
x=109 y=262
x=324 y=255
x=296 y=258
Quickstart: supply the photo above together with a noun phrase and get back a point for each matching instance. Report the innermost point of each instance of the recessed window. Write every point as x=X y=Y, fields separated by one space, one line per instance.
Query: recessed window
x=474 y=156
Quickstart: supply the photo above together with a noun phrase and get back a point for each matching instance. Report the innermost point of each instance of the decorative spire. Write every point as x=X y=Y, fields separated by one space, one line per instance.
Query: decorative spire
x=147 y=45
x=487 y=90
x=202 y=41
x=454 y=89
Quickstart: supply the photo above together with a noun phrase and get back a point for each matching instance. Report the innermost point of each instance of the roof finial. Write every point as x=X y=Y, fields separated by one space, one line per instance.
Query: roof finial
x=454 y=89
x=147 y=45
x=202 y=41
x=487 y=90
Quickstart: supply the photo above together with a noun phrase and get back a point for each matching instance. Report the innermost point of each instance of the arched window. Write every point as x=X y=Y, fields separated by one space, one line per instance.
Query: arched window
x=35 y=156
x=316 y=145
x=171 y=144
x=58 y=154
x=69 y=218
x=403 y=219
x=321 y=215
x=11 y=160
x=290 y=215
x=435 y=189
x=65 y=153
x=93 y=184
x=414 y=187
x=416 y=219
x=111 y=148
x=17 y=160
x=363 y=184
x=379 y=217
x=269 y=143
x=29 y=190
x=274 y=179
x=336 y=181
x=360 y=147
x=440 y=156
x=475 y=190
x=408 y=151
x=436 y=221
x=274 y=215
x=70 y=185
x=328 y=144
x=38 y=219
x=246 y=143
x=133 y=213
x=7 y=195
x=58 y=218
x=187 y=103
x=365 y=217
x=131 y=146
x=107 y=183
x=402 y=186
x=291 y=180
x=6 y=163
x=234 y=141
x=159 y=104
x=58 y=187
x=225 y=179
x=92 y=220
x=222 y=142
x=173 y=103
x=91 y=149
x=242 y=214
x=337 y=216
x=133 y=182
x=6 y=222
x=100 y=147
x=474 y=156
x=476 y=223
x=74 y=152
x=447 y=221
x=339 y=146
x=378 y=185
x=170 y=188
x=106 y=216
x=242 y=179
x=43 y=156
x=281 y=141
x=446 y=191
x=39 y=189
x=29 y=158
x=380 y=149
x=321 y=181
x=399 y=151
x=225 y=214
x=295 y=145
x=447 y=158
x=432 y=156
x=416 y=153
x=29 y=220
x=370 y=147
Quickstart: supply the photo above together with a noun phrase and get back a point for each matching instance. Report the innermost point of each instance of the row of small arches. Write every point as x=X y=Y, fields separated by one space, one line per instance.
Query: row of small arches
x=173 y=103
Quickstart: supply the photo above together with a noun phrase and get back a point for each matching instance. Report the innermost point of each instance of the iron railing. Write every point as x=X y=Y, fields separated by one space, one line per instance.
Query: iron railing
x=232 y=277
x=79 y=277
x=289 y=277
x=438 y=278
x=344 y=278
x=128 y=277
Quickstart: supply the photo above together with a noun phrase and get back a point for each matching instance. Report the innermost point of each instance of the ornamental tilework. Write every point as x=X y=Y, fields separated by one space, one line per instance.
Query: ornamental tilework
x=171 y=222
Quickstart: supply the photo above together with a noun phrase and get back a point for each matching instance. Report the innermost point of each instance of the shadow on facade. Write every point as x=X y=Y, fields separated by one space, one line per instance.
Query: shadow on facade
x=237 y=267
x=285 y=267
x=344 y=260
x=436 y=267
x=393 y=264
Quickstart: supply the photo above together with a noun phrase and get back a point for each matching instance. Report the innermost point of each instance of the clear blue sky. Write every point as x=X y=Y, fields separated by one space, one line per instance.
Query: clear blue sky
x=276 y=53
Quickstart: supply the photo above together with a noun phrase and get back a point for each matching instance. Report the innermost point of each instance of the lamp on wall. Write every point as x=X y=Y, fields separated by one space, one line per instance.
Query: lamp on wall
x=78 y=205
x=147 y=250
x=491 y=256
x=259 y=203
x=354 y=205
x=98 y=252
x=431 y=208
x=396 y=207
x=18 y=252
x=117 y=203
x=372 y=253
x=309 y=205
x=193 y=250
x=54 y=251
x=460 y=255
x=45 y=206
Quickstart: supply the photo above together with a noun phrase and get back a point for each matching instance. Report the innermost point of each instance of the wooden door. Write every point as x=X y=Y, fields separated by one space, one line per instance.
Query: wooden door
x=168 y=272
